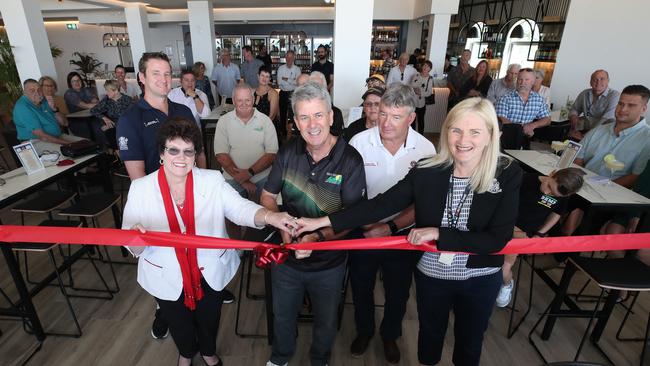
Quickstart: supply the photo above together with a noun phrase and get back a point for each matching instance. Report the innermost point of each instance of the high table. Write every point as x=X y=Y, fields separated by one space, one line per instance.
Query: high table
x=601 y=196
x=18 y=186
x=82 y=117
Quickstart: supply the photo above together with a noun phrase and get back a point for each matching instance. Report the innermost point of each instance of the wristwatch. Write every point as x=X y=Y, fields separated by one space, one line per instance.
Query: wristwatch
x=196 y=96
x=320 y=235
x=251 y=172
x=393 y=227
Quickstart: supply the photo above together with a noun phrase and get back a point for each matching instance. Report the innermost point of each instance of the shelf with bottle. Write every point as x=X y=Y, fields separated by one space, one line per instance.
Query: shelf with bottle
x=545 y=54
x=385 y=34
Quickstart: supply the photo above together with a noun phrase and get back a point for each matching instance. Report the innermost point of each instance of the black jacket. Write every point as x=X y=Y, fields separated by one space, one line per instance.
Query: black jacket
x=491 y=220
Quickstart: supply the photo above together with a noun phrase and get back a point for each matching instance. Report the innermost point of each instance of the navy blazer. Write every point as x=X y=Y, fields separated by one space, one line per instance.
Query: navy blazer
x=491 y=220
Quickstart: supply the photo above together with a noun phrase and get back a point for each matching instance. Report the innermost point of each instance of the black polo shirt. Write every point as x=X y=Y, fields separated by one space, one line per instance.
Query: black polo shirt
x=315 y=189
x=535 y=206
x=326 y=68
x=137 y=128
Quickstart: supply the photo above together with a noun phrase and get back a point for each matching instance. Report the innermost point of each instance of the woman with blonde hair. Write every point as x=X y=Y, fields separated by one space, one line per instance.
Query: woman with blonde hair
x=466 y=199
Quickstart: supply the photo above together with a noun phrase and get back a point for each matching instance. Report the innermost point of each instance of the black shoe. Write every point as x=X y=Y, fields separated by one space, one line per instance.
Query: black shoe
x=159 y=328
x=391 y=351
x=228 y=297
x=360 y=345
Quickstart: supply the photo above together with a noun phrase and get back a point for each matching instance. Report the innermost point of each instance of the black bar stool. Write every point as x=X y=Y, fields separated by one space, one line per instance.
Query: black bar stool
x=91 y=206
x=49 y=249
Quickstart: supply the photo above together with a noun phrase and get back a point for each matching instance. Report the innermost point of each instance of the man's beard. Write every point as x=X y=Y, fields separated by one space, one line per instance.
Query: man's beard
x=321 y=57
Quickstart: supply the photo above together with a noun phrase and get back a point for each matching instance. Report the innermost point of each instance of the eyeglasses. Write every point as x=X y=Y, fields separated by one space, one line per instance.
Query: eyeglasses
x=370 y=104
x=402 y=77
x=174 y=151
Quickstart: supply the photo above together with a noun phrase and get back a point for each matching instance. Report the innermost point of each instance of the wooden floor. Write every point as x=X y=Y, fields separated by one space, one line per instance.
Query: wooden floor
x=117 y=332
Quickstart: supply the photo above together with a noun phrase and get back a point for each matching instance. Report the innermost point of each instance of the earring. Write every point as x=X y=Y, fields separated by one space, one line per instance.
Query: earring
x=161 y=161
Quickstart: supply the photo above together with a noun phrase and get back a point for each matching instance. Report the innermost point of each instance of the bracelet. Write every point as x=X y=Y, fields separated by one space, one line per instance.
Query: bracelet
x=320 y=235
x=392 y=226
x=266 y=214
x=251 y=172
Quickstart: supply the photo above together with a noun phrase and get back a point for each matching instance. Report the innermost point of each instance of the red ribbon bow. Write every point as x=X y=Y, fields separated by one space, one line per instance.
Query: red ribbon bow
x=265 y=255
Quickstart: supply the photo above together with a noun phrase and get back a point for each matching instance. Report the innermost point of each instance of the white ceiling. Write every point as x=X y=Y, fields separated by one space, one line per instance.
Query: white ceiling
x=53 y=5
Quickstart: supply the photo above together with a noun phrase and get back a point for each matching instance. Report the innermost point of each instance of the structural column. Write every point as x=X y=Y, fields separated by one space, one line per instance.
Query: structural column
x=201 y=19
x=352 y=35
x=437 y=45
x=138 y=26
x=31 y=48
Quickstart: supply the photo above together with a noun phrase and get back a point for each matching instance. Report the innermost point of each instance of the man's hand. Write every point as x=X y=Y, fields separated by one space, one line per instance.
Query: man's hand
x=529 y=129
x=190 y=93
x=377 y=230
x=574 y=120
x=240 y=175
x=250 y=189
x=300 y=254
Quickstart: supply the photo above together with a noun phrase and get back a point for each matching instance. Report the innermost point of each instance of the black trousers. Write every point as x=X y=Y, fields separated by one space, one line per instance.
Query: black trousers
x=285 y=106
x=397 y=268
x=472 y=301
x=194 y=330
x=420 y=112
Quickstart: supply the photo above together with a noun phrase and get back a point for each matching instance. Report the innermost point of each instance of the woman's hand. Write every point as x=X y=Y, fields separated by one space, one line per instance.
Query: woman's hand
x=137 y=250
x=306 y=224
x=423 y=235
x=108 y=123
x=281 y=220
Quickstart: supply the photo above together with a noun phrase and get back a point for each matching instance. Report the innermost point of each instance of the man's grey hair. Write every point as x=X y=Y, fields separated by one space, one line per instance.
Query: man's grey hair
x=310 y=91
x=224 y=51
x=539 y=73
x=318 y=77
x=242 y=86
x=400 y=95
x=514 y=66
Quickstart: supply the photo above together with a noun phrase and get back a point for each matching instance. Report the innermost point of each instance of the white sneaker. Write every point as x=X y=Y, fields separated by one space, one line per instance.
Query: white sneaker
x=273 y=364
x=505 y=294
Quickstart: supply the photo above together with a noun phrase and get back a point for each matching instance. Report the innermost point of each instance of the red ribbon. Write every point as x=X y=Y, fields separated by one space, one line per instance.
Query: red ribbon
x=272 y=252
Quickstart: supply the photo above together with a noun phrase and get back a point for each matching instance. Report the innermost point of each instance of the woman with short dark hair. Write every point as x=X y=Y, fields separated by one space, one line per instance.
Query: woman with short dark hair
x=181 y=198
x=78 y=96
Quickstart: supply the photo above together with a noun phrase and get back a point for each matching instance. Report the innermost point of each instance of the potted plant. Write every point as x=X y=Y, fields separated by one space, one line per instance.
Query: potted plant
x=86 y=65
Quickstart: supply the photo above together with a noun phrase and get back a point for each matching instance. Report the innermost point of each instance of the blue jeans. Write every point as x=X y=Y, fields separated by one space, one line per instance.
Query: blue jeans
x=472 y=301
x=242 y=191
x=289 y=286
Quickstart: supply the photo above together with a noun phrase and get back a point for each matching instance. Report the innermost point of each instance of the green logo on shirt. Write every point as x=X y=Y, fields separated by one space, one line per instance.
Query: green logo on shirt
x=334 y=179
x=258 y=129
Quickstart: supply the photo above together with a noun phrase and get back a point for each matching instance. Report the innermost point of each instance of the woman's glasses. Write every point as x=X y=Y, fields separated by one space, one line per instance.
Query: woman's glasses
x=174 y=151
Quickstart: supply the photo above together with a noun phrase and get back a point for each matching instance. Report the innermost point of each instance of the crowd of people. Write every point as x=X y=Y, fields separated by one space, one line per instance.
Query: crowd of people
x=377 y=177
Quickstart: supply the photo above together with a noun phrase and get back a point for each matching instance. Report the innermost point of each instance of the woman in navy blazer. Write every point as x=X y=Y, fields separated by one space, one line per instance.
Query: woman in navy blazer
x=466 y=199
x=179 y=197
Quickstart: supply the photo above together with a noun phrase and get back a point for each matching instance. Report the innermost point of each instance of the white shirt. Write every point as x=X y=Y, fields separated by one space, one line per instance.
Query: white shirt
x=383 y=169
x=395 y=75
x=132 y=90
x=291 y=75
x=177 y=95
x=158 y=270
x=246 y=142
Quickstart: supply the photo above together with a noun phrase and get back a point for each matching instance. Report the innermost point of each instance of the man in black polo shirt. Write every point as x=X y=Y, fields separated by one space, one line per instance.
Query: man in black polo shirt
x=324 y=65
x=136 y=133
x=317 y=175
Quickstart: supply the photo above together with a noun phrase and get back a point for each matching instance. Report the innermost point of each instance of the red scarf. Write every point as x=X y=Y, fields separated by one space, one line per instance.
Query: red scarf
x=186 y=256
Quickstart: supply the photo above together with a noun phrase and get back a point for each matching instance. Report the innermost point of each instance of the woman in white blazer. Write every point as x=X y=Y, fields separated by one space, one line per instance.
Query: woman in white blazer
x=179 y=197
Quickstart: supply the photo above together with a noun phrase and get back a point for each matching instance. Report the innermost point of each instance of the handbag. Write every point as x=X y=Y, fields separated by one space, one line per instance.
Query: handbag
x=79 y=148
x=431 y=99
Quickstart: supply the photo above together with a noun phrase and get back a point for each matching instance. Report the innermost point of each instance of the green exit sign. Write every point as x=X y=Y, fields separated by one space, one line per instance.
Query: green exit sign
x=72 y=26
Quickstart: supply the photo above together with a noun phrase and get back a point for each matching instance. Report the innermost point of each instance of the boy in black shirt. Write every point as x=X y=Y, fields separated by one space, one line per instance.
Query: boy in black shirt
x=542 y=202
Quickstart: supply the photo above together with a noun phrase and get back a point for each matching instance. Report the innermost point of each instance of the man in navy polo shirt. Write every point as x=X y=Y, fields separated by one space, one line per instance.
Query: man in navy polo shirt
x=137 y=127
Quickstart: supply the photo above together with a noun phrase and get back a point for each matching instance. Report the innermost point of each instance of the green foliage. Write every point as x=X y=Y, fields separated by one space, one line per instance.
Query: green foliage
x=87 y=64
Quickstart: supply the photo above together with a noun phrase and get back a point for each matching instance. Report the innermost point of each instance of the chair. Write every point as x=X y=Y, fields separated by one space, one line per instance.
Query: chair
x=553 y=132
x=11 y=138
x=612 y=275
x=513 y=137
x=45 y=202
x=49 y=249
x=91 y=207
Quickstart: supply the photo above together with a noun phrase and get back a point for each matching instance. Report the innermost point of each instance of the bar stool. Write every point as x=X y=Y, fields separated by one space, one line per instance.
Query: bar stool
x=49 y=249
x=91 y=206
x=611 y=275
x=45 y=202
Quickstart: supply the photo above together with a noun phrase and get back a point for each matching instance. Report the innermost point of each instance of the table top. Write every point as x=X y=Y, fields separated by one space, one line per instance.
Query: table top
x=84 y=113
x=18 y=182
x=595 y=192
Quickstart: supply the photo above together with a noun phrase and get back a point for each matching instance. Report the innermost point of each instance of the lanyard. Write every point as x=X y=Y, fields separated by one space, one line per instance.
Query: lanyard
x=453 y=216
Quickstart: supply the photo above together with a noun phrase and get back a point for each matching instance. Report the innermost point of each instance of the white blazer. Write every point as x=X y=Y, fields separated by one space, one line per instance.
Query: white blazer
x=158 y=270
